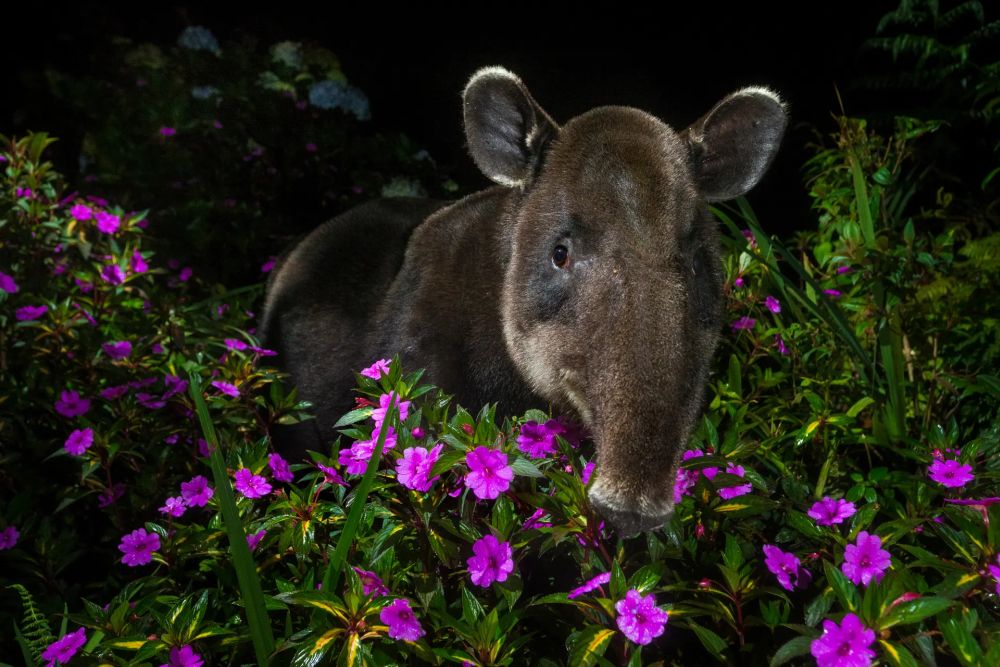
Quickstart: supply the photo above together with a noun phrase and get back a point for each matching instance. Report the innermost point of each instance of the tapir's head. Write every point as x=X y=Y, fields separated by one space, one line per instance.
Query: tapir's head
x=612 y=297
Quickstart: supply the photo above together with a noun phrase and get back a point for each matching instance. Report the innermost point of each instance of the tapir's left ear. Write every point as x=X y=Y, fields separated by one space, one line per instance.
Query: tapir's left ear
x=506 y=129
x=734 y=143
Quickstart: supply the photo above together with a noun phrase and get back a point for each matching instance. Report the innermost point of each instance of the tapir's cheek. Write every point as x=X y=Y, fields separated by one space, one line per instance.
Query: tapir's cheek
x=548 y=296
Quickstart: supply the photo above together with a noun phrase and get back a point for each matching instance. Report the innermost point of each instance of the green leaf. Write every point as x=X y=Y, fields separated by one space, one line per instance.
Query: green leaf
x=587 y=645
x=445 y=462
x=712 y=642
x=743 y=506
x=791 y=649
x=960 y=640
x=914 y=611
x=897 y=654
x=844 y=589
x=526 y=468
x=353 y=417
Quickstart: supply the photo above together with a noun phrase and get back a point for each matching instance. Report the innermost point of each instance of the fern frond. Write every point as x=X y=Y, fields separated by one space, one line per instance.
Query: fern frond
x=35 y=627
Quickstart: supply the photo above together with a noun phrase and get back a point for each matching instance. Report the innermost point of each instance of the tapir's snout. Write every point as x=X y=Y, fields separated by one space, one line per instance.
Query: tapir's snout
x=627 y=518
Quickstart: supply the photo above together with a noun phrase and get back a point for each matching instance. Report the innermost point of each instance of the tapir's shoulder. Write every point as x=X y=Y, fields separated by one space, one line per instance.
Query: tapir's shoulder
x=469 y=220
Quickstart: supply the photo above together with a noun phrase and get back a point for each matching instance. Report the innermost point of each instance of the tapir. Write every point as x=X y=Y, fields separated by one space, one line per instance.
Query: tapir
x=587 y=278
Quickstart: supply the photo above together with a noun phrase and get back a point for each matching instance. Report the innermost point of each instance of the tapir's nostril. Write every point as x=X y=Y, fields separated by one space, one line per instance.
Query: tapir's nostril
x=627 y=520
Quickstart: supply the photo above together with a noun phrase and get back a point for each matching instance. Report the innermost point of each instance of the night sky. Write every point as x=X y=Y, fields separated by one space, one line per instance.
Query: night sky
x=413 y=64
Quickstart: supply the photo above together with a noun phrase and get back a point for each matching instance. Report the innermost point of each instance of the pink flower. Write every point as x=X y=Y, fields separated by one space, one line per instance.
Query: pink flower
x=779 y=343
x=378 y=369
x=7 y=283
x=71 y=404
x=832 y=293
x=865 y=559
x=743 y=323
x=196 y=492
x=251 y=485
x=268 y=266
x=844 y=645
x=993 y=570
x=113 y=274
x=183 y=656
x=330 y=475
x=174 y=506
x=841 y=270
x=118 y=349
x=81 y=212
x=174 y=385
x=828 y=511
x=639 y=618
x=492 y=561
x=489 y=475
x=235 y=344
x=279 y=468
x=401 y=621
x=26 y=313
x=588 y=470
x=534 y=521
x=378 y=414
x=108 y=223
x=536 y=440
x=111 y=393
x=356 y=458
x=414 y=468
x=110 y=495
x=254 y=540
x=64 y=648
x=590 y=585
x=773 y=304
x=79 y=441
x=8 y=537
x=729 y=492
x=185 y=274
x=137 y=263
x=786 y=567
x=138 y=547
x=371 y=583
x=167 y=131
x=226 y=388
x=950 y=473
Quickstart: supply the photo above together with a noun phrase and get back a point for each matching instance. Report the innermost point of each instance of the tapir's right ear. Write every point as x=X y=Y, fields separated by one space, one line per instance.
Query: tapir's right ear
x=506 y=129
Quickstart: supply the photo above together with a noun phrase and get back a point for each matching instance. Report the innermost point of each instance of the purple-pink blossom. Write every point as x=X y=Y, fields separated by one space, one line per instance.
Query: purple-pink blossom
x=378 y=414
x=63 y=649
x=110 y=495
x=357 y=456
x=8 y=537
x=994 y=570
x=414 y=467
x=730 y=492
x=227 y=388
x=167 y=131
x=378 y=369
x=589 y=585
x=844 y=645
x=113 y=274
x=950 y=473
x=865 y=560
x=587 y=471
x=26 y=313
x=403 y=624
x=196 y=492
x=81 y=212
x=79 y=441
x=829 y=511
x=279 y=468
x=137 y=263
x=71 y=404
x=108 y=223
x=7 y=283
x=773 y=304
x=779 y=343
x=235 y=344
x=138 y=547
x=268 y=266
x=371 y=583
x=492 y=560
x=111 y=393
x=832 y=293
x=786 y=567
x=489 y=475
x=537 y=440
x=174 y=506
x=254 y=539
x=118 y=349
x=639 y=618
x=183 y=656
x=251 y=485
x=330 y=475
x=743 y=323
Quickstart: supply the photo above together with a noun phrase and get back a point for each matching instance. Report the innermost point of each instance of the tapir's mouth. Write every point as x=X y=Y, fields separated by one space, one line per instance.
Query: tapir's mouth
x=629 y=518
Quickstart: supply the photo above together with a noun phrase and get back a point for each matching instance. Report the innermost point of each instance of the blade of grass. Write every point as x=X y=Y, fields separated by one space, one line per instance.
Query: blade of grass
x=863 y=203
x=246 y=571
x=346 y=539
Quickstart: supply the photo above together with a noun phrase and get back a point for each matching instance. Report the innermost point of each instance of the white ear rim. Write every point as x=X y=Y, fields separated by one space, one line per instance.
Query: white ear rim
x=765 y=92
x=491 y=72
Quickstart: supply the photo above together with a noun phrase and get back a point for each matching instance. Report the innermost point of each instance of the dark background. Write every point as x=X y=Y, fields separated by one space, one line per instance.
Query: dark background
x=413 y=63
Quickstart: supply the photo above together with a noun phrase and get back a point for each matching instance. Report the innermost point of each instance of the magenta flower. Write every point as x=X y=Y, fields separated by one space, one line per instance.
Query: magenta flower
x=639 y=618
x=79 y=441
x=64 y=648
x=174 y=385
x=536 y=440
x=371 y=583
x=268 y=266
x=786 y=567
x=414 y=468
x=254 y=540
x=196 y=492
x=81 y=212
x=993 y=570
x=588 y=470
x=7 y=283
x=730 y=492
x=832 y=293
x=401 y=621
x=378 y=369
x=113 y=274
x=110 y=495
x=865 y=559
x=183 y=656
x=150 y=401
x=118 y=349
x=743 y=323
x=8 y=537
x=71 y=404
x=108 y=223
x=492 y=561
x=26 y=313
x=684 y=482
x=279 y=468
x=174 y=506
x=185 y=274
x=235 y=344
x=950 y=473
x=137 y=263
x=330 y=475
x=534 y=521
x=111 y=393
x=589 y=585
x=138 y=547
x=378 y=414
x=489 y=475
x=226 y=388
x=779 y=343
x=356 y=458
x=773 y=304
x=251 y=485
x=844 y=645
x=167 y=131
x=828 y=511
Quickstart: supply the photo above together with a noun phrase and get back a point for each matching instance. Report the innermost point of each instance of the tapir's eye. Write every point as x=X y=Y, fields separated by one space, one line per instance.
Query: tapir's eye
x=560 y=257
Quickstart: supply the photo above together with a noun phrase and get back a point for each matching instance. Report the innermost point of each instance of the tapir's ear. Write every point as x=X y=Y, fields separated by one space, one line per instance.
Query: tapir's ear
x=733 y=144
x=506 y=129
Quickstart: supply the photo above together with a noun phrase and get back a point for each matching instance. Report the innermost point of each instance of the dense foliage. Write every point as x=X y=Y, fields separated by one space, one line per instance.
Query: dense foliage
x=839 y=502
